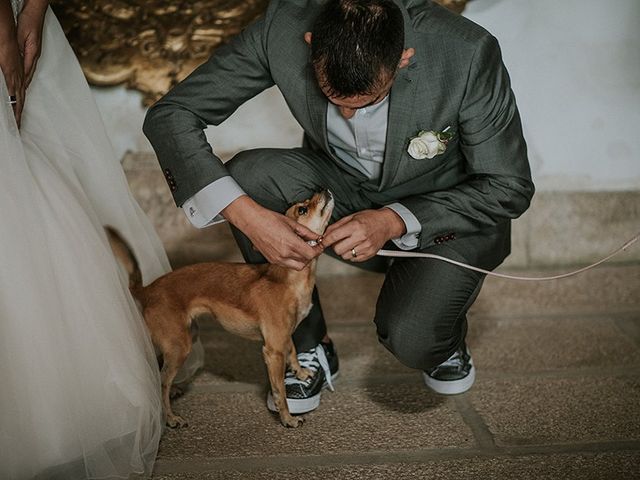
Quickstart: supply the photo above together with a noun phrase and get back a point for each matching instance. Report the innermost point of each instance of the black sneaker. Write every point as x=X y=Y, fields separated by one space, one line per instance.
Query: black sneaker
x=454 y=376
x=332 y=358
x=304 y=396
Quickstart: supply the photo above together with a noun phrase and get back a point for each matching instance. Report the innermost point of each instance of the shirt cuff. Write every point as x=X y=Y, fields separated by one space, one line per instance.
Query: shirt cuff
x=409 y=240
x=203 y=209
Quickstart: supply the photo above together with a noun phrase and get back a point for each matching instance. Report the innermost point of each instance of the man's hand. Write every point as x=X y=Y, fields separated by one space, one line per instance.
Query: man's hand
x=364 y=232
x=280 y=239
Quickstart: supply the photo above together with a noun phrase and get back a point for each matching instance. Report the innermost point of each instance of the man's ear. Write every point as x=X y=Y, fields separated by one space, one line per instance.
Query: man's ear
x=406 y=56
x=307 y=38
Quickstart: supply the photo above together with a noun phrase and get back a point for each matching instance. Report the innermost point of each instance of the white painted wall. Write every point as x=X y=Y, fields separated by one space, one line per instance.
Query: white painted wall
x=264 y=121
x=575 y=69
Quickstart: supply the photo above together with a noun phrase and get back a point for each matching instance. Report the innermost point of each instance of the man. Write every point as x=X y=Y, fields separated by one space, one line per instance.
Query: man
x=364 y=79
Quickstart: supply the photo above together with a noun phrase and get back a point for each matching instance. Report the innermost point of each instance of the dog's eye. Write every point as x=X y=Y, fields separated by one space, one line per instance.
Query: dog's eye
x=302 y=210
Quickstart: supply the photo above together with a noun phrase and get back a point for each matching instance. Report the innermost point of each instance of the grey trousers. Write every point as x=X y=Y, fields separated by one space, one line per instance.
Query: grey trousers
x=421 y=309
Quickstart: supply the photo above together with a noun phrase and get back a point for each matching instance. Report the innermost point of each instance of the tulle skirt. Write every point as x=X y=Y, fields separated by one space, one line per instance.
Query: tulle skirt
x=79 y=381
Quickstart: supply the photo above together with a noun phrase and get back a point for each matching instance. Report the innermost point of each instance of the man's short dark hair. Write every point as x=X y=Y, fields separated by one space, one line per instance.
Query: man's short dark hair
x=356 y=45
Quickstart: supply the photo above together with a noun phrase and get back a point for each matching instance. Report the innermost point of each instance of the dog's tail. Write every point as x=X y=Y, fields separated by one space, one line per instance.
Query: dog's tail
x=125 y=256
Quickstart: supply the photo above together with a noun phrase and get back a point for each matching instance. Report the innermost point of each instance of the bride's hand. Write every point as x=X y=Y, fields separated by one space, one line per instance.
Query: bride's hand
x=29 y=35
x=11 y=60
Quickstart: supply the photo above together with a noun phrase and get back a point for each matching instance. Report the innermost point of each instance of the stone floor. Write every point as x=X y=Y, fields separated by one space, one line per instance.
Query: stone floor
x=557 y=394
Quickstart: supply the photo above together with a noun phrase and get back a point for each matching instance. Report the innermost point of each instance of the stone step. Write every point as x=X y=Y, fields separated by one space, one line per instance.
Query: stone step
x=560 y=228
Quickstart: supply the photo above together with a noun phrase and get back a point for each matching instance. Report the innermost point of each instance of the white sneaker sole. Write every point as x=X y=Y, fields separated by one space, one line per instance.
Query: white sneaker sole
x=296 y=406
x=451 y=387
x=299 y=406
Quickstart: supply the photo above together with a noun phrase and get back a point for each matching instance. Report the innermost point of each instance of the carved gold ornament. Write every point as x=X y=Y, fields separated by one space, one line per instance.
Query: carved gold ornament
x=150 y=45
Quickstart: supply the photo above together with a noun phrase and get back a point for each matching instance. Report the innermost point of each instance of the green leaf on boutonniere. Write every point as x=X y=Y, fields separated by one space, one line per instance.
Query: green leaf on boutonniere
x=445 y=135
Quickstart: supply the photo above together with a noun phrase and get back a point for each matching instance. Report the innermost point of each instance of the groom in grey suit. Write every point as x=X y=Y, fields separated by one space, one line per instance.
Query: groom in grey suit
x=410 y=121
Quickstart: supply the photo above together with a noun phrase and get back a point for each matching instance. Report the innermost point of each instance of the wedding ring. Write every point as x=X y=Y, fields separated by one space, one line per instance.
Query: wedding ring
x=13 y=99
x=354 y=254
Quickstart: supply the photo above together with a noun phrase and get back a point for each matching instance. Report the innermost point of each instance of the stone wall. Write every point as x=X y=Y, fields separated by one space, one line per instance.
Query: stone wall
x=561 y=228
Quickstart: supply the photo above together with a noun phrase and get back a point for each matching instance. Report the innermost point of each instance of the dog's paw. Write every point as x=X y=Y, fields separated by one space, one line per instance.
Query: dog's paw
x=291 y=421
x=304 y=373
x=176 y=421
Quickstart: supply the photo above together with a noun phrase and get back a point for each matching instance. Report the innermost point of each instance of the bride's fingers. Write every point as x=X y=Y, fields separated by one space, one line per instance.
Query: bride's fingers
x=29 y=71
x=19 y=105
x=14 y=79
x=30 y=60
x=17 y=110
x=16 y=99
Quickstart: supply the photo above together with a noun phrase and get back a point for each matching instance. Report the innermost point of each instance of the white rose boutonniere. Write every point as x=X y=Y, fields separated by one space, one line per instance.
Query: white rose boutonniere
x=428 y=144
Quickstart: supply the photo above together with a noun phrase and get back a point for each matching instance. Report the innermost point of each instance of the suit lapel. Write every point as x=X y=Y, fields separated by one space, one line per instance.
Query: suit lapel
x=401 y=105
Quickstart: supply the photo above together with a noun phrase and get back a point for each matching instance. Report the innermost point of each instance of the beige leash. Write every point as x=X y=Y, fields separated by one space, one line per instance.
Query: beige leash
x=404 y=254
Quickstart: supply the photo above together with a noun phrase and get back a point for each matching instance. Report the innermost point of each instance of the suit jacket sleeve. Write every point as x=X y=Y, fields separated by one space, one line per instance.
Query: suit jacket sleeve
x=498 y=186
x=175 y=124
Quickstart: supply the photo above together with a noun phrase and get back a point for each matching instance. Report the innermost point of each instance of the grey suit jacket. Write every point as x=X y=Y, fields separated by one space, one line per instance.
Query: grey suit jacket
x=456 y=78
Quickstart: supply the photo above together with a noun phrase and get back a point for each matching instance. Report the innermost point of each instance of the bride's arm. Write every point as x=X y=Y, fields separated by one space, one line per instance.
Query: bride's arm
x=29 y=35
x=10 y=59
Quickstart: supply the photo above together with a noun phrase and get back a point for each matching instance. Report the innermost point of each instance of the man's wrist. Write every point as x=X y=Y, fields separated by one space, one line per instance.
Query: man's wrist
x=394 y=222
x=239 y=210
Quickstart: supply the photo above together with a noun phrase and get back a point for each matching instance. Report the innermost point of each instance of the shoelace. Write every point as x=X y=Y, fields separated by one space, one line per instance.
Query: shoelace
x=455 y=360
x=313 y=360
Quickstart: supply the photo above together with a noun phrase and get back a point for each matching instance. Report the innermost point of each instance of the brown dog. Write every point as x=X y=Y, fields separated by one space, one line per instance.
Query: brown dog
x=252 y=301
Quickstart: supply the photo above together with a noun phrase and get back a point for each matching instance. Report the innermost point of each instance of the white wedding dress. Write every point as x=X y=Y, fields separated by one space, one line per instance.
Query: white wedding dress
x=79 y=381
